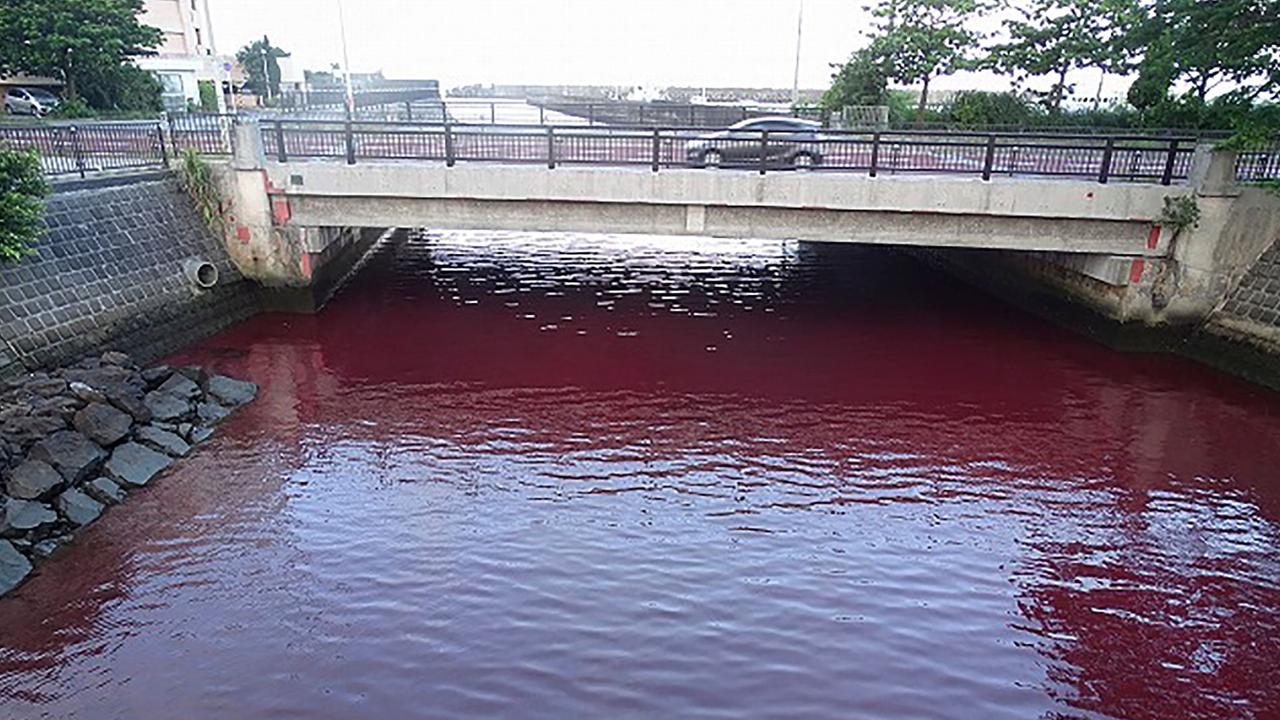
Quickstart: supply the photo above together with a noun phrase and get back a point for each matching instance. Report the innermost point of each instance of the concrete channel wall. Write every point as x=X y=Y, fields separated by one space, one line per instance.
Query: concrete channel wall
x=112 y=272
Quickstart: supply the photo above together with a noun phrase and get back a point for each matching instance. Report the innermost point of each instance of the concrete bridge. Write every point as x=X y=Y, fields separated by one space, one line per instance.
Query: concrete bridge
x=1117 y=245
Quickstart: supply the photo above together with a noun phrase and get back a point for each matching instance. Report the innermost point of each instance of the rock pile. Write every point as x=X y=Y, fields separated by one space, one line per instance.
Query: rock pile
x=77 y=440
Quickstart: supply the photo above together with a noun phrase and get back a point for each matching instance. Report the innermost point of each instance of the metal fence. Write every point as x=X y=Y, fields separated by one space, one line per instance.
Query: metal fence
x=1105 y=159
x=1259 y=165
x=80 y=148
x=84 y=147
x=206 y=133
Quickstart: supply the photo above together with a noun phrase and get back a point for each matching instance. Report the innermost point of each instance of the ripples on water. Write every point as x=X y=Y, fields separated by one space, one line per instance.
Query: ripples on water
x=511 y=475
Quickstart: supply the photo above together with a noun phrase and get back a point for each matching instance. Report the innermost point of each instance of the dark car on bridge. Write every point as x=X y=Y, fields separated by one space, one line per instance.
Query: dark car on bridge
x=784 y=141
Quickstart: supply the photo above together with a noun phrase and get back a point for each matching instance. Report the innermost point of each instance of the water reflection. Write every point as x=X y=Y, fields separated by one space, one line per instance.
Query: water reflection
x=567 y=476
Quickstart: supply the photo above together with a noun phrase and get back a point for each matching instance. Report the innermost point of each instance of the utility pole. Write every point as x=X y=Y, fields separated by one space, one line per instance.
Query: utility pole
x=795 y=80
x=346 y=62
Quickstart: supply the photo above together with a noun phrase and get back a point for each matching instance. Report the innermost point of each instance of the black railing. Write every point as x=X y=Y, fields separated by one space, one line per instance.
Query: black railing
x=1259 y=165
x=1105 y=159
x=206 y=133
x=80 y=148
x=83 y=147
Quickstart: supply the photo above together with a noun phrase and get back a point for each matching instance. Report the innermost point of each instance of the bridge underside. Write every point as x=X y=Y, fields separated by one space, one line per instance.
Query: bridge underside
x=872 y=227
x=1009 y=214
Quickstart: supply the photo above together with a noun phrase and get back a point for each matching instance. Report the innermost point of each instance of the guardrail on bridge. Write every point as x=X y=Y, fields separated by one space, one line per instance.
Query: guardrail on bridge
x=1130 y=158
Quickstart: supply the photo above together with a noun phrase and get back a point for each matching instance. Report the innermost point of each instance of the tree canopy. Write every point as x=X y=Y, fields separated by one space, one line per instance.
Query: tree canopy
x=260 y=60
x=1053 y=37
x=72 y=39
x=1233 y=42
x=862 y=80
x=920 y=40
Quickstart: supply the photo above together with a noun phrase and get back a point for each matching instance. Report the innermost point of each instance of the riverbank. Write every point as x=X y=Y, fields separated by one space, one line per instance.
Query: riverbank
x=77 y=440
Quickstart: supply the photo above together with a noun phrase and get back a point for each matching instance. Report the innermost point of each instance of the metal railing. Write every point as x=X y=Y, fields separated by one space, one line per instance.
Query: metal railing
x=68 y=148
x=1259 y=165
x=83 y=147
x=206 y=133
x=1105 y=159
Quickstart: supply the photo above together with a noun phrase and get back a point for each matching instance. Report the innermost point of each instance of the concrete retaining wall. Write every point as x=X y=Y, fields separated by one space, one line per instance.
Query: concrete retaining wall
x=110 y=274
x=1252 y=312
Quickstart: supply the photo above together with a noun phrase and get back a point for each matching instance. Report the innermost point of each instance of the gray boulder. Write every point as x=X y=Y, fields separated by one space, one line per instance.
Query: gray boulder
x=105 y=491
x=163 y=440
x=134 y=465
x=166 y=406
x=195 y=374
x=155 y=375
x=181 y=386
x=212 y=413
x=129 y=400
x=46 y=548
x=25 y=515
x=115 y=357
x=26 y=429
x=70 y=453
x=200 y=434
x=33 y=479
x=230 y=391
x=14 y=567
x=87 y=393
x=46 y=386
x=103 y=424
x=77 y=507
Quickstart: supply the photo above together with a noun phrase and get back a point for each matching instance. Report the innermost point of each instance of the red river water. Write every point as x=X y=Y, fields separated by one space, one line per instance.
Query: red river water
x=507 y=475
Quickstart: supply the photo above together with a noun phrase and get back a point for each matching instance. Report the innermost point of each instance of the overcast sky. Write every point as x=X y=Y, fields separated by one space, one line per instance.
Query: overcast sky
x=607 y=42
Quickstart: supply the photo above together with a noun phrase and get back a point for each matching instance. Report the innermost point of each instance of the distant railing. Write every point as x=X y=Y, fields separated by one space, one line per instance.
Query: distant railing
x=1259 y=165
x=206 y=133
x=1105 y=159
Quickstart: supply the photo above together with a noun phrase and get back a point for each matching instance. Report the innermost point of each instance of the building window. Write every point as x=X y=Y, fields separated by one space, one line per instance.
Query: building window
x=172 y=92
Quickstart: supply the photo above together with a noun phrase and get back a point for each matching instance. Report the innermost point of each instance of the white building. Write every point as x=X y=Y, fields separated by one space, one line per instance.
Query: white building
x=187 y=54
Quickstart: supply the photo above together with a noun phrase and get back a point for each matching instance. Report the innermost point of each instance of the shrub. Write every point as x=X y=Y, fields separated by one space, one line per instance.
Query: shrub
x=988 y=108
x=208 y=96
x=22 y=192
x=72 y=108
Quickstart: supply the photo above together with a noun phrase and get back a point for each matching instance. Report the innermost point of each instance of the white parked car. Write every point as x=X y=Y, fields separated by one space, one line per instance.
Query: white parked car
x=30 y=101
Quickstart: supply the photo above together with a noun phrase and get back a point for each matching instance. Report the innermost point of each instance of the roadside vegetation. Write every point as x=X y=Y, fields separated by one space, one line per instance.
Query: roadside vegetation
x=87 y=45
x=1195 y=65
x=22 y=195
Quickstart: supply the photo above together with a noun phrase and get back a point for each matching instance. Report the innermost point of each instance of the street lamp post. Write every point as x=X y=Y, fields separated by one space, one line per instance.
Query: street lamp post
x=346 y=62
x=795 y=79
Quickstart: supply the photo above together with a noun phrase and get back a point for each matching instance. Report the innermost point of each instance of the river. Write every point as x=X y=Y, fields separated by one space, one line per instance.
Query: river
x=507 y=475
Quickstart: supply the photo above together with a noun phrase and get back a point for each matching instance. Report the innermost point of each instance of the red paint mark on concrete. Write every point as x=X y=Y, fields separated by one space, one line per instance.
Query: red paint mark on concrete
x=1135 y=270
x=1153 y=238
x=280 y=211
x=242 y=233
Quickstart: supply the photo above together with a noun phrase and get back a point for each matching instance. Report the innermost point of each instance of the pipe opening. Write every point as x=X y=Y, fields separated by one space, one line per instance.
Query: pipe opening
x=202 y=273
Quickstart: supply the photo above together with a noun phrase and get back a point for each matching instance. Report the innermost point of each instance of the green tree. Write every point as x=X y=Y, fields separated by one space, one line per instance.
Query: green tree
x=921 y=40
x=22 y=192
x=862 y=80
x=260 y=60
x=124 y=87
x=1223 y=43
x=1053 y=37
x=1156 y=74
x=70 y=39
